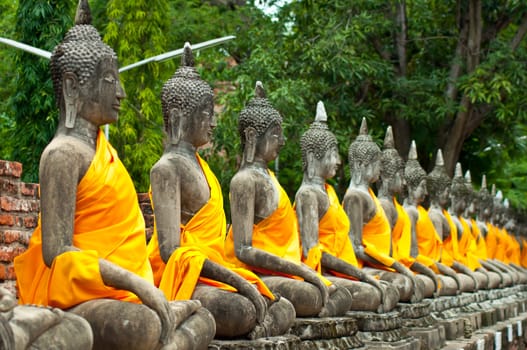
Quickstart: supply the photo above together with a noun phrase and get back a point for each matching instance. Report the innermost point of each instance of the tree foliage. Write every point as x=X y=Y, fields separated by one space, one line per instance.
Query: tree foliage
x=449 y=74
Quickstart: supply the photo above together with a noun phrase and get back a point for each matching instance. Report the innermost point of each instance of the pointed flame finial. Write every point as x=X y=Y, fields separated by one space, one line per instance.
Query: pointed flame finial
x=468 y=177
x=388 y=138
x=439 y=158
x=83 y=14
x=484 y=182
x=321 y=115
x=259 y=90
x=363 y=127
x=493 y=190
x=187 y=59
x=412 y=153
x=459 y=171
x=499 y=195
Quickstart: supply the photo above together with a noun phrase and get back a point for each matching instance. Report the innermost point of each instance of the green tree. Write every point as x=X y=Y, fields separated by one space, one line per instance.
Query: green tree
x=31 y=107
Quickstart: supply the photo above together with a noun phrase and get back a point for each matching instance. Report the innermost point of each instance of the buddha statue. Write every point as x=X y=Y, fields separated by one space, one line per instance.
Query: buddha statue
x=88 y=253
x=370 y=230
x=324 y=226
x=492 y=272
x=466 y=245
x=187 y=248
x=439 y=187
x=39 y=327
x=264 y=234
x=416 y=247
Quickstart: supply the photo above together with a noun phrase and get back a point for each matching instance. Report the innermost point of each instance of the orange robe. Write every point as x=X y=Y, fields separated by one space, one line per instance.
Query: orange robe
x=428 y=240
x=333 y=236
x=108 y=224
x=467 y=247
x=492 y=241
x=450 y=252
x=201 y=238
x=523 y=257
x=481 y=246
x=513 y=249
x=402 y=236
x=376 y=236
x=276 y=234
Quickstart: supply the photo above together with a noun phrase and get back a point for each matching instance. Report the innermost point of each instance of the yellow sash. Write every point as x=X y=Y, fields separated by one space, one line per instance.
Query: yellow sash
x=201 y=238
x=481 y=245
x=467 y=247
x=428 y=240
x=376 y=236
x=402 y=236
x=108 y=224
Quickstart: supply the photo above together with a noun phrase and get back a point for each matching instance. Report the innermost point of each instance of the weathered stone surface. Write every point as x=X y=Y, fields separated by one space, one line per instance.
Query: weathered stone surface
x=416 y=310
x=430 y=337
x=352 y=342
x=286 y=342
x=324 y=328
x=408 y=343
x=372 y=322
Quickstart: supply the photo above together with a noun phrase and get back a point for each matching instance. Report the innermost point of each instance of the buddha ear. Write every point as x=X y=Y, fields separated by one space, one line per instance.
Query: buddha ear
x=175 y=120
x=250 y=143
x=70 y=91
x=310 y=165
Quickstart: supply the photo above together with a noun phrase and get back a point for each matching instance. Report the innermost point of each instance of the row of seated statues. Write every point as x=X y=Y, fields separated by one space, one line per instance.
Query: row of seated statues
x=91 y=280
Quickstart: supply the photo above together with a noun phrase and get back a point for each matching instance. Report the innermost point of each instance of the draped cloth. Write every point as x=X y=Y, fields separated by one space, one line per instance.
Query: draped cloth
x=481 y=245
x=450 y=252
x=523 y=256
x=276 y=234
x=333 y=236
x=467 y=247
x=376 y=236
x=201 y=238
x=402 y=236
x=493 y=242
x=108 y=224
x=428 y=241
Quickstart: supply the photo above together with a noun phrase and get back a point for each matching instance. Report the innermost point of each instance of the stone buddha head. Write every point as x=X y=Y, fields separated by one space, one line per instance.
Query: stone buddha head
x=85 y=74
x=415 y=177
x=392 y=165
x=260 y=128
x=364 y=157
x=472 y=203
x=439 y=183
x=459 y=192
x=187 y=103
x=485 y=200
x=320 y=156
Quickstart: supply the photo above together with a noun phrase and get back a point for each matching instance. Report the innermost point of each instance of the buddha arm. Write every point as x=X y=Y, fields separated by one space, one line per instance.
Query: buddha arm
x=166 y=200
x=489 y=266
x=422 y=269
x=242 y=215
x=447 y=271
x=463 y=269
x=353 y=205
x=308 y=219
x=58 y=198
x=413 y=215
x=219 y=273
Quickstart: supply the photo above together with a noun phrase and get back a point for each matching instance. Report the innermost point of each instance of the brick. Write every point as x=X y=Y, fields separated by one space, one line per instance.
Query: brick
x=7 y=220
x=10 y=169
x=29 y=190
x=8 y=187
x=18 y=205
x=8 y=253
x=30 y=221
x=21 y=237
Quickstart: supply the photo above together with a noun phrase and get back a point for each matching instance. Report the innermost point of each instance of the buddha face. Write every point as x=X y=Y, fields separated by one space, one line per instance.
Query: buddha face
x=102 y=94
x=330 y=163
x=420 y=191
x=373 y=170
x=444 y=197
x=269 y=144
x=202 y=122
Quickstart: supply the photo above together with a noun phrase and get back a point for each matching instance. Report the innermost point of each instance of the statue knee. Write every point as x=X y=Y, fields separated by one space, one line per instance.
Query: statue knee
x=339 y=302
x=494 y=280
x=304 y=296
x=467 y=283
x=403 y=284
x=72 y=332
x=448 y=286
x=196 y=332
x=235 y=315
x=427 y=285
x=136 y=327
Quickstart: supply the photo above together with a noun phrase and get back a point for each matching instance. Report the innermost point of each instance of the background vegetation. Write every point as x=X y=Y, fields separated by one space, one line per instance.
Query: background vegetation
x=450 y=74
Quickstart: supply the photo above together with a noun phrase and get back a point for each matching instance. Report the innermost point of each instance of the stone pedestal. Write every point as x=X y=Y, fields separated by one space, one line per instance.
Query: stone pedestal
x=327 y=333
x=286 y=342
x=384 y=331
x=420 y=324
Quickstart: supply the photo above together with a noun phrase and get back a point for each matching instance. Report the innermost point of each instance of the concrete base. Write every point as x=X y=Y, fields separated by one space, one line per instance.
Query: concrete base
x=286 y=342
x=404 y=344
x=324 y=328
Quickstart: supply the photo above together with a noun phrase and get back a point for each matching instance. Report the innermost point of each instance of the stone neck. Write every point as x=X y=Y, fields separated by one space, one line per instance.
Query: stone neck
x=315 y=181
x=184 y=148
x=83 y=130
x=384 y=190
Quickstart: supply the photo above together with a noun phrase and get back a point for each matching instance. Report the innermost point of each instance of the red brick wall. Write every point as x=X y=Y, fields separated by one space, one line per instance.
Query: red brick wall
x=19 y=207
